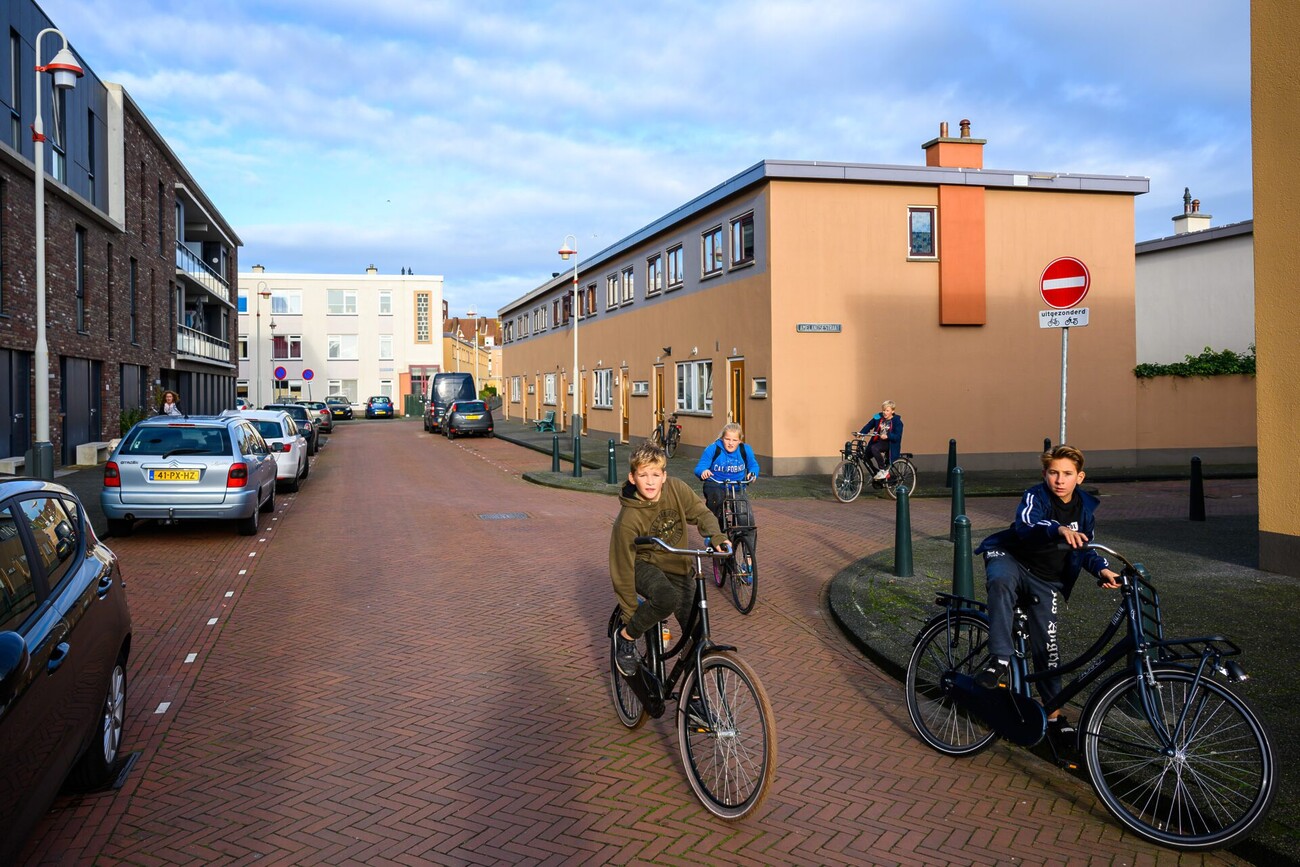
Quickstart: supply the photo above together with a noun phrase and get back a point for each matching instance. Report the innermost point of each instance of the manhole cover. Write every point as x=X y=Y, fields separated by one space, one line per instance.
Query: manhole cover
x=503 y=516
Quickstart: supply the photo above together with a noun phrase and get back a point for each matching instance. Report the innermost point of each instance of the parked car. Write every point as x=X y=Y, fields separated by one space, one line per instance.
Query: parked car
x=323 y=410
x=307 y=420
x=443 y=389
x=287 y=443
x=340 y=406
x=243 y=403
x=173 y=469
x=466 y=417
x=65 y=634
x=380 y=406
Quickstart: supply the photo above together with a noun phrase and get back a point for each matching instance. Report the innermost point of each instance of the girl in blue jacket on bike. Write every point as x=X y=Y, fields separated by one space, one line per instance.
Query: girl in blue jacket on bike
x=727 y=460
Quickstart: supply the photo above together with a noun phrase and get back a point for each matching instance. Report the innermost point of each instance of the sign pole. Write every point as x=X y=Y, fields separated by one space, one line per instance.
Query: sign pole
x=1065 y=361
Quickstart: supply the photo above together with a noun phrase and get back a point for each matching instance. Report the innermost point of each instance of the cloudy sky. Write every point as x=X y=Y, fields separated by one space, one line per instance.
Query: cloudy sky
x=467 y=137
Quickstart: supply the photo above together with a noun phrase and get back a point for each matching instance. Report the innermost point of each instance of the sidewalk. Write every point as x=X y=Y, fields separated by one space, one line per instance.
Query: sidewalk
x=1205 y=571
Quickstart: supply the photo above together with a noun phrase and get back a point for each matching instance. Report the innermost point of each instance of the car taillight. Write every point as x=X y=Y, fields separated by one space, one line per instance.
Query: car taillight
x=112 y=478
x=237 y=477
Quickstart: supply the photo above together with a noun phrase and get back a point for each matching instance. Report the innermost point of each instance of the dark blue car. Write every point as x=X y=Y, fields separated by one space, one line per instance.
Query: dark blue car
x=380 y=406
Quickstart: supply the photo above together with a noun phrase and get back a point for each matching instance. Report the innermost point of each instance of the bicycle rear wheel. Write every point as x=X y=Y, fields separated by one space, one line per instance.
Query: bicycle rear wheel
x=744 y=576
x=946 y=649
x=846 y=481
x=631 y=712
x=730 y=757
x=902 y=473
x=671 y=440
x=1215 y=786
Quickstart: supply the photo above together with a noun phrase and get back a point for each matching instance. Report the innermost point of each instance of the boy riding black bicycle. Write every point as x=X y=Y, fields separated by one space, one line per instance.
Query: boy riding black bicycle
x=1036 y=562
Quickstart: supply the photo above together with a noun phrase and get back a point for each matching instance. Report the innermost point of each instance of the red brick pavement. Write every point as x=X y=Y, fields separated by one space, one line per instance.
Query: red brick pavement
x=392 y=678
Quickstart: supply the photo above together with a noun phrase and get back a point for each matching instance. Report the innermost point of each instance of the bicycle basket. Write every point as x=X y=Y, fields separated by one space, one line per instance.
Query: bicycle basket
x=1147 y=601
x=854 y=450
x=736 y=510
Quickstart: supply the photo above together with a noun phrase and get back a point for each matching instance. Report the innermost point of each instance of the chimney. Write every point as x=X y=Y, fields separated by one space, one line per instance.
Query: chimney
x=955 y=153
x=371 y=269
x=258 y=269
x=1191 y=219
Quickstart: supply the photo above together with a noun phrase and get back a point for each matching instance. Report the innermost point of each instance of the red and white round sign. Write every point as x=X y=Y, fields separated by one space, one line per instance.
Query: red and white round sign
x=1064 y=282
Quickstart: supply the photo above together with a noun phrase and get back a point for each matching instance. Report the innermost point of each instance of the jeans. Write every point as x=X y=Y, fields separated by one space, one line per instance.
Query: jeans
x=1006 y=580
x=663 y=594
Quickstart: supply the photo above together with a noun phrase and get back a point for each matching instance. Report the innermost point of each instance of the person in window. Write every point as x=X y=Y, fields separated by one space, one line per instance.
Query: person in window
x=170 y=404
x=886 y=438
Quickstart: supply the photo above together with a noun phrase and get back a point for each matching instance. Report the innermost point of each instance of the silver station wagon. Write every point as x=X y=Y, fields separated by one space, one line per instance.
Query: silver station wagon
x=173 y=468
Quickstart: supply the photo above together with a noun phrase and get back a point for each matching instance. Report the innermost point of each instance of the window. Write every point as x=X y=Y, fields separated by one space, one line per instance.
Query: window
x=641 y=387
x=711 y=251
x=243 y=347
x=4 y=220
x=508 y=331
x=611 y=291
x=337 y=346
x=133 y=302
x=56 y=529
x=566 y=307
x=19 y=596
x=81 y=279
x=90 y=155
x=345 y=387
x=629 y=285
x=695 y=386
x=110 y=285
x=341 y=301
x=286 y=302
x=59 y=135
x=758 y=386
x=515 y=392
x=675 y=267
x=386 y=347
x=15 y=91
x=386 y=387
x=591 y=309
x=162 y=219
x=654 y=274
x=602 y=393
x=548 y=386
x=742 y=240
x=385 y=302
x=423 y=323
x=920 y=233
x=286 y=346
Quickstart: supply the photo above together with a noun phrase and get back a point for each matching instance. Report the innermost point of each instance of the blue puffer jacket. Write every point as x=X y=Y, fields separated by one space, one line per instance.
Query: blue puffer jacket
x=727 y=466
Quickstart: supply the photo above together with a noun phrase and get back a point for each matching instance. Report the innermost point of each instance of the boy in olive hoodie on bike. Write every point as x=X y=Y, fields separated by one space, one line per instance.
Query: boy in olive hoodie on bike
x=654 y=504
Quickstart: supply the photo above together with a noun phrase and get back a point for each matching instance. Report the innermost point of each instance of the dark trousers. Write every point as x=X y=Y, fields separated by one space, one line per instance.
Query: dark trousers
x=879 y=452
x=715 y=497
x=663 y=594
x=1007 y=579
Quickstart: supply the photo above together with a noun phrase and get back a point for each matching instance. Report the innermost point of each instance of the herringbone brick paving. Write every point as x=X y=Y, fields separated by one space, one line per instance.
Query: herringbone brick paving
x=395 y=679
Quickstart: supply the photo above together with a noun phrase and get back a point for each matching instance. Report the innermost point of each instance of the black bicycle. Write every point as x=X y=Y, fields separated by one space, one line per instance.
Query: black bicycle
x=1174 y=754
x=857 y=468
x=725 y=727
x=667 y=433
x=742 y=568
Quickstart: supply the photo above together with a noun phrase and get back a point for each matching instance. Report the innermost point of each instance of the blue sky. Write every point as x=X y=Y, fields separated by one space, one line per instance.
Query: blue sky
x=468 y=138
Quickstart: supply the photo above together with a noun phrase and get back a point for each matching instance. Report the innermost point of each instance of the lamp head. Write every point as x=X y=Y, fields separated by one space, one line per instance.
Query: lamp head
x=65 y=69
x=566 y=251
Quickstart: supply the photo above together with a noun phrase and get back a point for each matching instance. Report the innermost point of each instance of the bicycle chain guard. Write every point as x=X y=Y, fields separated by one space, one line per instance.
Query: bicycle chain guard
x=646 y=687
x=1016 y=717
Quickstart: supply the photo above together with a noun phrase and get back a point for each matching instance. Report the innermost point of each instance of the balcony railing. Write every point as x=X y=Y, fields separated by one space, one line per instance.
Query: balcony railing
x=199 y=272
x=190 y=341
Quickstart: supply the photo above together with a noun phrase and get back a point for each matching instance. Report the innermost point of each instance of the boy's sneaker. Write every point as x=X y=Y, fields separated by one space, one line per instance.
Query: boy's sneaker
x=696 y=715
x=994 y=675
x=626 y=659
x=882 y=475
x=1062 y=733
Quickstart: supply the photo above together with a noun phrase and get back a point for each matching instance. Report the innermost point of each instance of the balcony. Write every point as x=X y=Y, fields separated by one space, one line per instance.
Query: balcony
x=191 y=266
x=195 y=344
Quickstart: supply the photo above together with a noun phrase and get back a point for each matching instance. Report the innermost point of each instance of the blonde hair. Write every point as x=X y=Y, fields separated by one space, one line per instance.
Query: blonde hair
x=1063 y=451
x=889 y=404
x=731 y=426
x=647 y=454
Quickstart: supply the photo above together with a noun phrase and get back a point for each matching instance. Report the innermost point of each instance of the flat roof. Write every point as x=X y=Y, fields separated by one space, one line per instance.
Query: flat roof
x=1200 y=236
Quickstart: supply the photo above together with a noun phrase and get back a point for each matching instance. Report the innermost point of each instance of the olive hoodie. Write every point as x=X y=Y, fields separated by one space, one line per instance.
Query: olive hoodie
x=667 y=517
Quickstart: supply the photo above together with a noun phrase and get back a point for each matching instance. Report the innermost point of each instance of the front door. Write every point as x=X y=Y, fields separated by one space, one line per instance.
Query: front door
x=582 y=403
x=658 y=397
x=625 y=423
x=81 y=405
x=736 y=392
x=16 y=403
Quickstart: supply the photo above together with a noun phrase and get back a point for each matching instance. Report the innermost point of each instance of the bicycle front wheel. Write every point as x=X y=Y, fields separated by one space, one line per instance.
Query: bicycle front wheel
x=671 y=441
x=948 y=648
x=901 y=473
x=1209 y=788
x=727 y=734
x=631 y=712
x=744 y=576
x=846 y=481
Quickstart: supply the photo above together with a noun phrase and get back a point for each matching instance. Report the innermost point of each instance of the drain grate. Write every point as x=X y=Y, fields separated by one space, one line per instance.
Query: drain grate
x=503 y=516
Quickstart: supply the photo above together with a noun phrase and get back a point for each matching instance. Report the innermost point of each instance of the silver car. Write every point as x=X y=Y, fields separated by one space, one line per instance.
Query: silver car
x=174 y=468
x=285 y=441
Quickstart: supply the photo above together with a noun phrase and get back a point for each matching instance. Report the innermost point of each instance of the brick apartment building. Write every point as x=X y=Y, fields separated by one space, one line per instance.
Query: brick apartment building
x=138 y=260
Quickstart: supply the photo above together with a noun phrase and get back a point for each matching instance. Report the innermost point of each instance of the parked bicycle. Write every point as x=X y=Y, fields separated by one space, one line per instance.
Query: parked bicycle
x=725 y=726
x=667 y=433
x=742 y=568
x=1174 y=754
x=857 y=467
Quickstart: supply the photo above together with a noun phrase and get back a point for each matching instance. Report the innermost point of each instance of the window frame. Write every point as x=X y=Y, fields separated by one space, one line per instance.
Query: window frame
x=742 y=257
x=694 y=381
x=612 y=291
x=292 y=343
x=628 y=275
x=336 y=346
x=933 y=212
x=654 y=274
x=346 y=304
x=712 y=251
x=602 y=388
x=675 y=275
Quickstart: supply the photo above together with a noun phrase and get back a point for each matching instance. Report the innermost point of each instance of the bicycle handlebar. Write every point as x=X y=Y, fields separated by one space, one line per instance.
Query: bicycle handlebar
x=694 y=552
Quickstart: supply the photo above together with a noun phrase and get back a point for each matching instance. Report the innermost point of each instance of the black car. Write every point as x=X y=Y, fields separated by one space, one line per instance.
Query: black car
x=340 y=406
x=308 y=422
x=467 y=417
x=443 y=389
x=65 y=634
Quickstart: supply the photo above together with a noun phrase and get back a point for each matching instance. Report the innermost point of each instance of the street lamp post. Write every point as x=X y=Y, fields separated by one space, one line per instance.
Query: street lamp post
x=262 y=293
x=274 y=394
x=565 y=252
x=65 y=71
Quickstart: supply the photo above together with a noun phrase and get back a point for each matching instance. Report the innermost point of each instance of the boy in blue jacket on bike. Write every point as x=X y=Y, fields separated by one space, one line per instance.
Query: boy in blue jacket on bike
x=727 y=460
x=1041 y=553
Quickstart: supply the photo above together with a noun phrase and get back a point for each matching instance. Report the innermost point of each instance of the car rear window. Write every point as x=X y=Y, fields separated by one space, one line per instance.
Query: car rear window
x=271 y=430
x=380 y=400
x=149 y=440
x=470 y=406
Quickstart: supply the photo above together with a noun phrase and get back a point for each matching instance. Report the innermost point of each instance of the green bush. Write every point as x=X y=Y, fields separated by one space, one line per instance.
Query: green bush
x=129 y=417
x=1208 y=363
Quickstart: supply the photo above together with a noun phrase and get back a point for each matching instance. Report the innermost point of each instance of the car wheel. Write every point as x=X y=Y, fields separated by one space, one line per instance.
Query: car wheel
x=451 y=434
x=95 y=768
x=247 y=526
x=120 y=527
x=306 y=468
x=291 y=486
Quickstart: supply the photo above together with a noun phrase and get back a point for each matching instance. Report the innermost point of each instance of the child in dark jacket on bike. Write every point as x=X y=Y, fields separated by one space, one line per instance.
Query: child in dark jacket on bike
x=886 y=438
x=653 y=504
x=1041 y=553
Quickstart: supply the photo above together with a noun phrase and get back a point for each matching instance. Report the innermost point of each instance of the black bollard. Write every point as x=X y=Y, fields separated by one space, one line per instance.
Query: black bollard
x=963 y=581
x=952 y=461
x=902 y=536
x=1047 y=444
x=577 y=456
x=555 y=453
x=613 y=473
x=1196 y=509
x=958 y=500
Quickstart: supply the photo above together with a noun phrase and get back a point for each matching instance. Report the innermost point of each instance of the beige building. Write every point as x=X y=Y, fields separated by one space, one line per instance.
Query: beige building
x=473 y=345
x=796 y=296
x=1275 y=116
x=354 y=334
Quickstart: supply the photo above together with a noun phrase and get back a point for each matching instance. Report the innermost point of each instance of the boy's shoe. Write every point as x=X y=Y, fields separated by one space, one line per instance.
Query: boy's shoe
x=626 y=659
x=696 y=715
x=882 y=475
x=1063 y=735
x=994 y=675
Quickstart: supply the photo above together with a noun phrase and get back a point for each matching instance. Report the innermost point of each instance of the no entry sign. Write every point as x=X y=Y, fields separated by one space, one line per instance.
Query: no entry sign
x=1064 y=282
